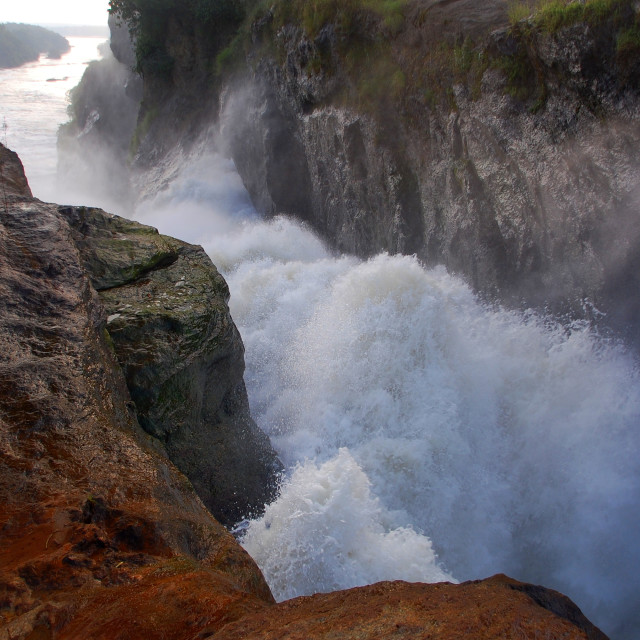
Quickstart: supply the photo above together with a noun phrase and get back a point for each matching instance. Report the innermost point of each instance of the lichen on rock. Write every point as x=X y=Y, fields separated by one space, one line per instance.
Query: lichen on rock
x=182 y=357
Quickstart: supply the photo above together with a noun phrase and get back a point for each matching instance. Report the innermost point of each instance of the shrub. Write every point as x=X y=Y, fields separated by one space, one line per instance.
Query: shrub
x=148 y=22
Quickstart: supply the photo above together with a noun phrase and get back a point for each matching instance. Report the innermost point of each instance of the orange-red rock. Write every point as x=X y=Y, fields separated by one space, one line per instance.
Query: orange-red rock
x=498 y=607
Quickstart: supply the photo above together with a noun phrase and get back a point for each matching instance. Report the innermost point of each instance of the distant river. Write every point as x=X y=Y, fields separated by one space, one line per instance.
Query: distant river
x=33 y=104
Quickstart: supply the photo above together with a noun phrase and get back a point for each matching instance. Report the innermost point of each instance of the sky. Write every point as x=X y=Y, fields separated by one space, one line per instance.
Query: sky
x=85 y=12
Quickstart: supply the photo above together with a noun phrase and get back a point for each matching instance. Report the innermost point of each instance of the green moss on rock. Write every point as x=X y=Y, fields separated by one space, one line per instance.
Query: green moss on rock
x=182 y=356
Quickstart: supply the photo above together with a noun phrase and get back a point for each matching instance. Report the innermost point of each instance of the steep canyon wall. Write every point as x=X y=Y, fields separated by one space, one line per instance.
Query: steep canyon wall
x=533 y=201
x=506 y=153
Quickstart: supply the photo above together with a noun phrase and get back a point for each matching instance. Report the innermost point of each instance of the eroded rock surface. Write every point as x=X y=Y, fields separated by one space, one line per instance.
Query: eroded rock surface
x=100 y=535
x=497 y=607
x=182 y=357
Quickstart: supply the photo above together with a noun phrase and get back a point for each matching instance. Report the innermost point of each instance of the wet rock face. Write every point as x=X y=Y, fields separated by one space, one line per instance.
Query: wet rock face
x=182 y=357
x=100 y=535
x=13 y=182
x=533 y=205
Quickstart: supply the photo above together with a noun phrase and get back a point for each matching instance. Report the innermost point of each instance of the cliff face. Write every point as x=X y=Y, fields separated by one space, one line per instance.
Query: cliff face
x=533 y=199
x=502 y=608
x=100 y=534
x=505 y=153
x=182 y=357
x=93 y=148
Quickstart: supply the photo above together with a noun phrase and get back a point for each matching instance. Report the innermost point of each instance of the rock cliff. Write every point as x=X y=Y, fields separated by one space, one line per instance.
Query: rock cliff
x=182 y=357
x=100 y=535
x=503 y=149
x=13 y=182
x=511 y=160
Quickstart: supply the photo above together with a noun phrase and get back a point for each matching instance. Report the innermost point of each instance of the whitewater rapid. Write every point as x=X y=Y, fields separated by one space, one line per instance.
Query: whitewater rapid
x=427 y=436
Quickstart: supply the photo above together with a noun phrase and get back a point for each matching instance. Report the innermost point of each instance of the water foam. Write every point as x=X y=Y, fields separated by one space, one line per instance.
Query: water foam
x=327 y=530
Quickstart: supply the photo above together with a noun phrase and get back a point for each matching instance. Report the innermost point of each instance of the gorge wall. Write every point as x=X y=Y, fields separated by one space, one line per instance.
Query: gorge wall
x=506 y=153
x=532 y=197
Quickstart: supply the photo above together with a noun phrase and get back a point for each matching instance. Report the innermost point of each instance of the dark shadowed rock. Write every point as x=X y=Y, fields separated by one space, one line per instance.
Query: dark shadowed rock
x=13 y=181
x=182 y=357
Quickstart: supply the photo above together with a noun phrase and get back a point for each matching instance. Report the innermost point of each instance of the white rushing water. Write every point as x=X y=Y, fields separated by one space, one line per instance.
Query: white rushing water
x=427 y=436
x=415 y=420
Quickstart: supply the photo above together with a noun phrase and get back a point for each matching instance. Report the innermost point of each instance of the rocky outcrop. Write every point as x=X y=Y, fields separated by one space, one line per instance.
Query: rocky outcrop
x=13 y=181
x=100 y=535
x=529 y=191
x=182 y=357
x=498 y=607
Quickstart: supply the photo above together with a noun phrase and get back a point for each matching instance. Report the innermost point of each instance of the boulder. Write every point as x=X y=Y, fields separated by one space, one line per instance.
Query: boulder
x=182 y=357
x=100 y=535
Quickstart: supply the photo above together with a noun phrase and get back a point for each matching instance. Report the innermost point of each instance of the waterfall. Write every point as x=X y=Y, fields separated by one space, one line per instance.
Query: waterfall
x=427 y=435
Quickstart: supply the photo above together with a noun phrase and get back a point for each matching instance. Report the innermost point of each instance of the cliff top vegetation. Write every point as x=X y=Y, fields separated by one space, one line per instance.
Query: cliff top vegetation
x=407 y=52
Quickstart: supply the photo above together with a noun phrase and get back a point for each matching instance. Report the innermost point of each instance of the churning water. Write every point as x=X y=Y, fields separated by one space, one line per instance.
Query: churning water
x=427 y=436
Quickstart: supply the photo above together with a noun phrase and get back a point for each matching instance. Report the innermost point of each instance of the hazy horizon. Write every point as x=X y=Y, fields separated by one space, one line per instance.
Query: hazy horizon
x=89 y=13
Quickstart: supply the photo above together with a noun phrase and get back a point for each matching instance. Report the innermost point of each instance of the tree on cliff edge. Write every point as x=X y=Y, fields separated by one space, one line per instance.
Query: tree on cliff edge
x=148 y=22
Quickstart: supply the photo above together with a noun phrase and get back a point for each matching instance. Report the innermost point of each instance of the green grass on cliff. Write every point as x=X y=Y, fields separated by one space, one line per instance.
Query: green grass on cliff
x=552 y=15
x=615 y=23
x=372 y=47
x=347 y=15
x=385 y=54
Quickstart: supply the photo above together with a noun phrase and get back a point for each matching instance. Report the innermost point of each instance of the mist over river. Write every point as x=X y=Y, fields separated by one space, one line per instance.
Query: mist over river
x=33 y=104
x=427 y=435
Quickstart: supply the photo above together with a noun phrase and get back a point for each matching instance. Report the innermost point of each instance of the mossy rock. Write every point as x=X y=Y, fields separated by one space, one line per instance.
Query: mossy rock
x=182 y=356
